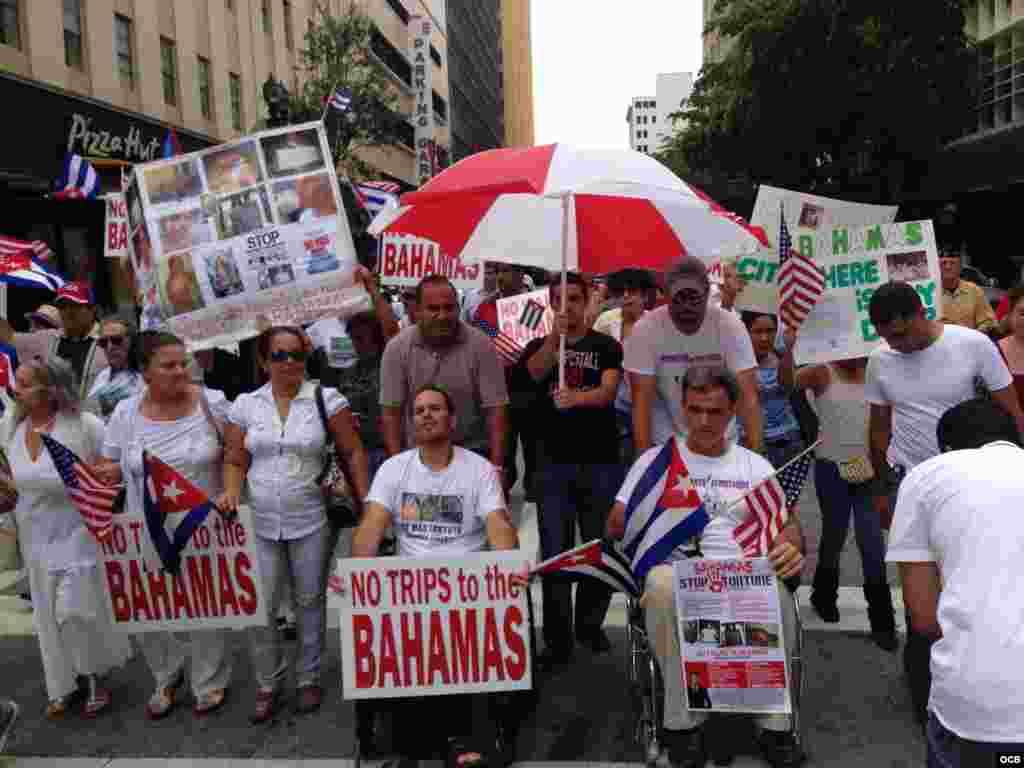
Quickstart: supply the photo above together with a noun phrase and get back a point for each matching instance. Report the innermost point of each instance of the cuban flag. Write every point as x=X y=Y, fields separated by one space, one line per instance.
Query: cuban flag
x=22 y=263
x=171 y=147
x=166 y=492
x=596 y=559
x=341 y=99
x=663 y=513
x=80 y=180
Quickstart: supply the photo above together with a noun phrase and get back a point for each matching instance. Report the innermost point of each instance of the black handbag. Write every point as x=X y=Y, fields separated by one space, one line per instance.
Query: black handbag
x=339 y=500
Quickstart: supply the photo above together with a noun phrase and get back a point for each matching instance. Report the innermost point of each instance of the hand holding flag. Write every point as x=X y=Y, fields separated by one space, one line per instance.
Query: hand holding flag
x=93 y=499
x=166 y=492
x=800 y=282
x=596 y=559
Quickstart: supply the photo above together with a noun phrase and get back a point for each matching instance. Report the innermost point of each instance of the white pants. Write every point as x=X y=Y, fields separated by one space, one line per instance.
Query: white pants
x=75 y=634
x=660 y=616
x=166 y=653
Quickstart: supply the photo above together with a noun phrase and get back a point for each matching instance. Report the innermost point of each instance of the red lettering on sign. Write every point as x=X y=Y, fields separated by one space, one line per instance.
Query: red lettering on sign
x=430 y=267
x=388 y=655
x=158 y=594
x=180 y=597
x=515 y=663
x=492 y=648
x=390 y=251
x=403 y=260
x=204 y=588
x=416 y=260
x=140 y=603
x=227 y=585
x=445 y=594
x=412 y=647
x=438 y=659
x=247 y=601
x=115 y=585
x=465 y=646
x=362 y=636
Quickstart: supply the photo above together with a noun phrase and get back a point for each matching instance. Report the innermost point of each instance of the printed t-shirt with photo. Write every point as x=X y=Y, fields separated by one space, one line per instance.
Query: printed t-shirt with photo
x=719 y=481
x=330 y=336
x=657 y=348
x=438 y=512
x=579 y=435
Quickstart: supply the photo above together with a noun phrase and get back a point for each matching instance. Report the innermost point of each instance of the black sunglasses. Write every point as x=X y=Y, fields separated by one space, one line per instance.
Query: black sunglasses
x=107 y=341
x=283 y=355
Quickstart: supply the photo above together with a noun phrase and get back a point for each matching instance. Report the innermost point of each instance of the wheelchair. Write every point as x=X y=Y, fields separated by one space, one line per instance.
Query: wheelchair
x=646 y=685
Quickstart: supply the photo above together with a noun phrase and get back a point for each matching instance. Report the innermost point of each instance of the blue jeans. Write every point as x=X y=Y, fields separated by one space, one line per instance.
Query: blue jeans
x=947 y=750
x=837 y=498
x=571 y=494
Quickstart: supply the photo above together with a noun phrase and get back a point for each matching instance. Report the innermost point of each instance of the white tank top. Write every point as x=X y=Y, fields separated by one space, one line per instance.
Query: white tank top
x=843 y=418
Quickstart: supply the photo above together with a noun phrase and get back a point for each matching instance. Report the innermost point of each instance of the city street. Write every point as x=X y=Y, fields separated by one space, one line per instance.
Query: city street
x=856 y=710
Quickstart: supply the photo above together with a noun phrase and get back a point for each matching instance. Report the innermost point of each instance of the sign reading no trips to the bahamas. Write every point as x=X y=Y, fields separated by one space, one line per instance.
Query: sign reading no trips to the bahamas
x=416 y=626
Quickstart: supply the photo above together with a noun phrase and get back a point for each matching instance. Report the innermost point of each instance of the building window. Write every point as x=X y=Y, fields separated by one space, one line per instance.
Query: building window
x=169 y=70
x=9 y=23
x=400 y=10
x=73 y=33
x=203 y=74
x=289 y=33
x=123 y=49
x=440 y=107
x=436 y=56
x=236 y=101
x=393 y=58
x=230 y=4
x=265 y=15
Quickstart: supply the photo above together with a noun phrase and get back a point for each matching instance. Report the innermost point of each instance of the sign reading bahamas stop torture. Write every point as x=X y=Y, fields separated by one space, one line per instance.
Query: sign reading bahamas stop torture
x=218 y=586
x=433 y=626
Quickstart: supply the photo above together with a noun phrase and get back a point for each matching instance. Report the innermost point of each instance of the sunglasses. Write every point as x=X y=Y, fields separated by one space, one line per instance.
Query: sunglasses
x=284 y=355
x=689 y=299
x=111 y=341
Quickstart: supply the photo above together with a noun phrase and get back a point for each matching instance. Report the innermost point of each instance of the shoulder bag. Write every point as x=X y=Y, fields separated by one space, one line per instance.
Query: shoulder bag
x=339 y=501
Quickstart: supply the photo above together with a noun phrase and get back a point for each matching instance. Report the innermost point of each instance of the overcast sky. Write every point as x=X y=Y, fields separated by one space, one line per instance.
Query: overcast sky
x=590 y=58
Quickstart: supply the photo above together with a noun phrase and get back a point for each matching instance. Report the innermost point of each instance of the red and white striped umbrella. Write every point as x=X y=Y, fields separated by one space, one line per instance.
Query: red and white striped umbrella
x=619 y=208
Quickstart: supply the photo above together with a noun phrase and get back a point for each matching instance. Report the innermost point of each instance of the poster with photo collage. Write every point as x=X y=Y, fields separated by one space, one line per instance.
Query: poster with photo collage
x=237 y=237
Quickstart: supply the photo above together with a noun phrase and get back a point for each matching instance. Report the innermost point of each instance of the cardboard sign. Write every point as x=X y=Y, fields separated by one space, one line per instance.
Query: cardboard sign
x=219 y=585
x=526 y=317
x=115 y=236
x=243 y=235
x=855 y=261
x=809 y=218
x=405 y=260
x=414 y=626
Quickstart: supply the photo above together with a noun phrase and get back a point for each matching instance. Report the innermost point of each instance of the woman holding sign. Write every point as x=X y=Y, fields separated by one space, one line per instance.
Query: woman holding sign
x=177 y=422
x=75 y=636
x=276 y=440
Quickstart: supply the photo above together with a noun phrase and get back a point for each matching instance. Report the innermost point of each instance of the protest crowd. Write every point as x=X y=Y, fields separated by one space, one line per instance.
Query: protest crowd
x=652 y=412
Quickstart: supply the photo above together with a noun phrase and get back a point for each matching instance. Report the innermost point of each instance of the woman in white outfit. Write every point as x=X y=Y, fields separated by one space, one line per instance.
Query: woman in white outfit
x=275 y=440
x=179 y=423
x=62 y=557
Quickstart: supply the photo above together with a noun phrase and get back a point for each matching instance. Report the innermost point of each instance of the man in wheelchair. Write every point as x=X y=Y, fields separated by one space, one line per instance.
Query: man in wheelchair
x=721 y=472
x=442 y=500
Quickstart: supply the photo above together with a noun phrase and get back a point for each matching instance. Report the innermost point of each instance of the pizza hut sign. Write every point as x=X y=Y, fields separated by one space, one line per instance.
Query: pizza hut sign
x=85 y=138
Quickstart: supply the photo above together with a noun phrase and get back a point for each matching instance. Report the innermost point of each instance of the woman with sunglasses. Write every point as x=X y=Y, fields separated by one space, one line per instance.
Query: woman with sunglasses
x=275 y=440
x=180 y=423
x=122 y=377
x=76 y=641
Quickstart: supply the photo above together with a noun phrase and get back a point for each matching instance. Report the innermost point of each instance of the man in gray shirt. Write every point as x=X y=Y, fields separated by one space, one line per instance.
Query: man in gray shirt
x=442 y=351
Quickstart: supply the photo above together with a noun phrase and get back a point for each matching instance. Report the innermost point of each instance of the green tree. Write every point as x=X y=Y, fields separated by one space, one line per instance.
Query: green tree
x=849 y=97
x=336 y=54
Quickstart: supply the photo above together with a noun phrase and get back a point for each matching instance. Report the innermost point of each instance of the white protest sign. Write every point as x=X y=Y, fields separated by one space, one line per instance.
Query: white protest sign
x=855 y=262
x=809 y=218
x=218 y=586
x=405 y=260
x=526 y=317
x=243 y=235
x=731 y=636
x=115 y=236
x=415 y=626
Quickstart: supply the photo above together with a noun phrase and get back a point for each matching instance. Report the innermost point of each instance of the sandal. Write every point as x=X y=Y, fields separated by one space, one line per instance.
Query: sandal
x=57 y=708
x=210 y=702
x=162 y=701
x=266 y=705
x=99 y=701
x=461 y=756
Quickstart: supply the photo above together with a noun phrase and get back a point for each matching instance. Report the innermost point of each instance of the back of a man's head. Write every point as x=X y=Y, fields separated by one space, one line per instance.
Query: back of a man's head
x=894 y=301
x=974 y=423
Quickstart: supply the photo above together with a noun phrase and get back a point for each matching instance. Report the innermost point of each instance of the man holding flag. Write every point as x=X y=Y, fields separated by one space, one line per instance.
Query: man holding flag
x=704 y=496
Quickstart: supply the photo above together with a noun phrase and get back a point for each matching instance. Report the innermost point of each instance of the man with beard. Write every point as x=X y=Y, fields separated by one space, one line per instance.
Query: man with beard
x=443 y=352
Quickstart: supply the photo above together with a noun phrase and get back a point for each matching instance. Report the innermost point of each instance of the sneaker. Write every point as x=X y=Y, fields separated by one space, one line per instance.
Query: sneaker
x=780 y=749
x=8 y=714
x=685 y=747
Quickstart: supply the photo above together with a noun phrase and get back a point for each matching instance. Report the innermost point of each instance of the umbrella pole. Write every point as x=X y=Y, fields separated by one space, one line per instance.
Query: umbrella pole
x=566 y=202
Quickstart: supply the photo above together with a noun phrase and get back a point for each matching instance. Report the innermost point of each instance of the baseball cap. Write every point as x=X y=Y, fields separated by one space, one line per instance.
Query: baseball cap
x=45 y=313
x=76 y=293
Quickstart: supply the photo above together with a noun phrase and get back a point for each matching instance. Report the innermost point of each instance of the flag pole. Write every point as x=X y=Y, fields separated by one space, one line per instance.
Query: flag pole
x=566 y=204
x=795 y=459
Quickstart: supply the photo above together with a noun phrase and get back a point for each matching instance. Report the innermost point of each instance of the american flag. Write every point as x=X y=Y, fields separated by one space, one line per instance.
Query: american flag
x=768 y=505
x=38 y=249
x=595 y=560
x=390 y=187
x=801 y=284
x=486 y=319
x=93 y=499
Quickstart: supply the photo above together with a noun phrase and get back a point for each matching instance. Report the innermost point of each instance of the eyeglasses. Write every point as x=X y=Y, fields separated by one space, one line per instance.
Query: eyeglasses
x=284 y=355
x=690 y=298
x=111 y=341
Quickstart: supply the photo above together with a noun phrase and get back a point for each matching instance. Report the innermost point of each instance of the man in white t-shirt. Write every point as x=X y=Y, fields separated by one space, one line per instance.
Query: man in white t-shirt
x=958 y=536
x=687 y=333
x=924 y=369
x=441 y=500
x=721 y=472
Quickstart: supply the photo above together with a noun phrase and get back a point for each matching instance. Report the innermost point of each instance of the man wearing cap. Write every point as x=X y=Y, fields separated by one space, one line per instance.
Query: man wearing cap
x=46 y=317
x=963 y=302
x=687 y=333
x=77 y=342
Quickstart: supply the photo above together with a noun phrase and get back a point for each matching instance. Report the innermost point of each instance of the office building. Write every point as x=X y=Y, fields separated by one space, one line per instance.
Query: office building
x=649 y=117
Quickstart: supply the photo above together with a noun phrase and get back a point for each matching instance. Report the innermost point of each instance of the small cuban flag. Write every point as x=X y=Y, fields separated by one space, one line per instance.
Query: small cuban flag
x=341 y=99
x=80 y=180
x=533 y=314
x=166 y=492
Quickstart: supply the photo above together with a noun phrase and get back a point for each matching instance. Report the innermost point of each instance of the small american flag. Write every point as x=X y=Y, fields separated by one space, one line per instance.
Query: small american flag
x=800 y=282
x=390 y=187
x=533 y=314
x=768 y=505
x=93 y=499
x=486 y=320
